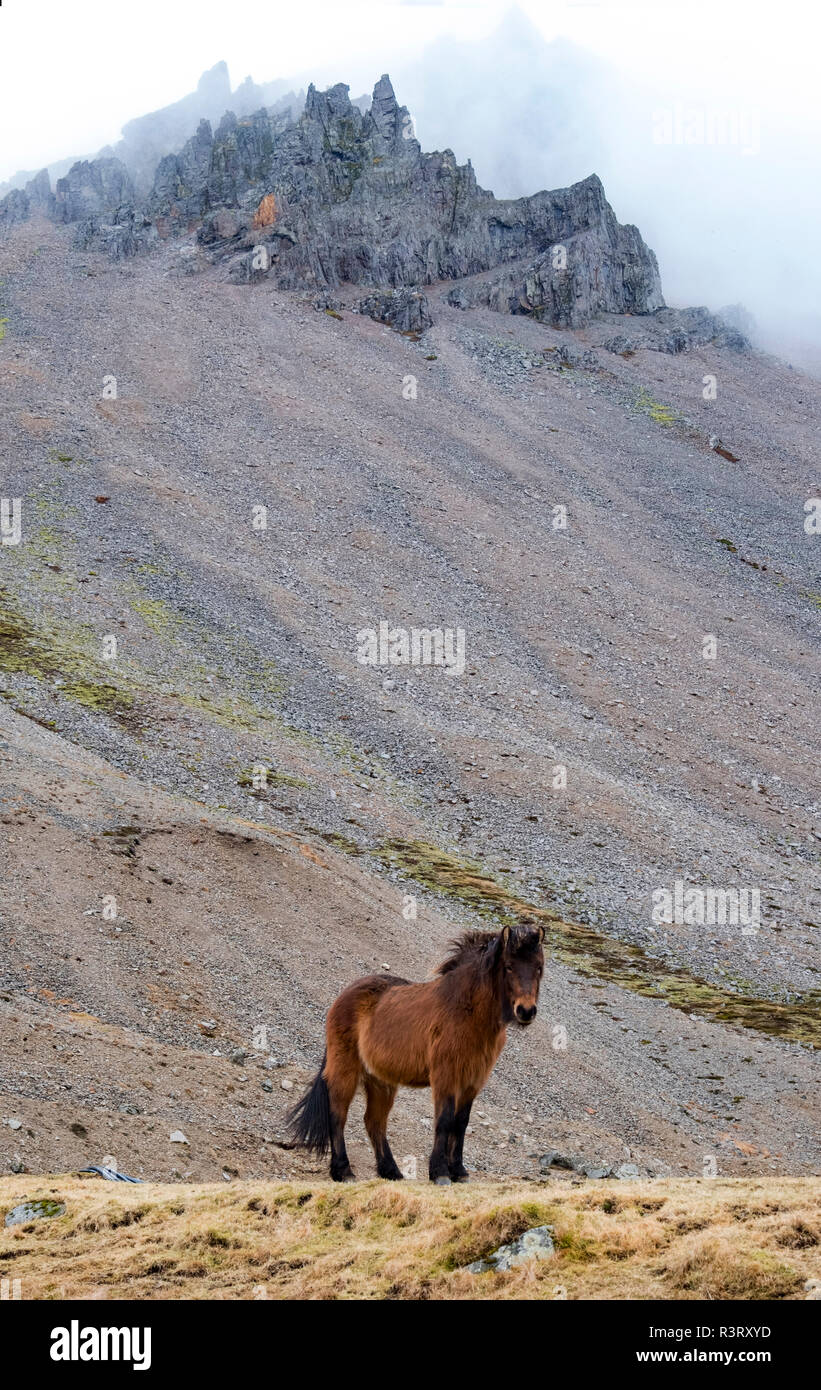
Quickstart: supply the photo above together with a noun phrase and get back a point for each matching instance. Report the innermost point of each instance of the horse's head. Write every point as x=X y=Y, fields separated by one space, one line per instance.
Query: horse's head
x=521 y=960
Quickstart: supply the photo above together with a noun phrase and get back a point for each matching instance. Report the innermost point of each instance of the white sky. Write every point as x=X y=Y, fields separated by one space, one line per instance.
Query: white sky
x=73 y=71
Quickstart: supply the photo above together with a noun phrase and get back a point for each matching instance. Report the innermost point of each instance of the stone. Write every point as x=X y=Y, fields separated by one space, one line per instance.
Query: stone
x=571 y=356
x=249 y=268
x=38 y=1210
x=266 y=213
x=621 y=345
x=596 y=1170
x=627 y=1172
x=222 y=225
x=405 y=310
x=390 y=121
x=535 y=1244
x=553 y=1159
x=177 y=1137
x=128 y=234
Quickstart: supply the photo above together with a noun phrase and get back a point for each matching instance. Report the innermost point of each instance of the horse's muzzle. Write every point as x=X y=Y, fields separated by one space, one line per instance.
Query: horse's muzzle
x=525 y=1014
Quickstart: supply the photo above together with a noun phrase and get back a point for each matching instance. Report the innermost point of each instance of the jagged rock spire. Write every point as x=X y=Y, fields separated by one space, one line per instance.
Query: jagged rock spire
x=392 y=122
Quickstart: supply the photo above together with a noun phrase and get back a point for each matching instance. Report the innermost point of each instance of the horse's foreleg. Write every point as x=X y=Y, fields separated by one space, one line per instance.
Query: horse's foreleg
x=380 y=1098
x=456 y=1168
x=444 y=1109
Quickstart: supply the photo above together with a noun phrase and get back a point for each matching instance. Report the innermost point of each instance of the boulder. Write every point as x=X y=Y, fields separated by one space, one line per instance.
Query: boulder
x=405 y=310
x=39 y=1210
x=535 y=1244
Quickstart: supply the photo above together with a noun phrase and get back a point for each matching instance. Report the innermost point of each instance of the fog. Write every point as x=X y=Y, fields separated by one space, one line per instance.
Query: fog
x=700 y=119
x=720 y=175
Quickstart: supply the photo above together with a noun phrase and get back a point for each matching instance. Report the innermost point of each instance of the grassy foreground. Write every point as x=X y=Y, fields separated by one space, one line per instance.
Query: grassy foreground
x=731 y=1238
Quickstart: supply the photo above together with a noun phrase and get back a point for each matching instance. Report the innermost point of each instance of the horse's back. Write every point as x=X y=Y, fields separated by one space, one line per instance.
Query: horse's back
x=395 y=1033
x=367 y=990
x=356 y=1002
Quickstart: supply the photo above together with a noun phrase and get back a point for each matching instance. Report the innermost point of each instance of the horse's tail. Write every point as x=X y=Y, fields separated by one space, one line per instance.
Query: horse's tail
x=309 y=1121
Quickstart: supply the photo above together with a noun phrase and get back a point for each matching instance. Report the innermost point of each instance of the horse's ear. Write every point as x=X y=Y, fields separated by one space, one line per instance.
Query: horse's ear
x=504 y=938
x=542 y=932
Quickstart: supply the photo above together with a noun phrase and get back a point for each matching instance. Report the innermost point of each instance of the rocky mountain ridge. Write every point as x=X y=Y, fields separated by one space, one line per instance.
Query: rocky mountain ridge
x=338 y=195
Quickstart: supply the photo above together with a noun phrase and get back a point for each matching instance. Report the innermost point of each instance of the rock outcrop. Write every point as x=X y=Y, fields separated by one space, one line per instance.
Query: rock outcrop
x=679 y=330
x=362 y=204
x=592 y=264
x=92 y=189
x=14 y=208
x=21 y=203
x=339 y=195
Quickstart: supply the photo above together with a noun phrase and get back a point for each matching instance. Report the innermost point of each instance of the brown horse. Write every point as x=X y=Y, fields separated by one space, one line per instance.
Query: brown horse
x=446 y=1034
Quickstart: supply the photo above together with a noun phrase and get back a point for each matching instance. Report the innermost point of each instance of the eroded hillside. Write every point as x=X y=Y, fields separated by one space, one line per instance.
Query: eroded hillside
x=412 y=480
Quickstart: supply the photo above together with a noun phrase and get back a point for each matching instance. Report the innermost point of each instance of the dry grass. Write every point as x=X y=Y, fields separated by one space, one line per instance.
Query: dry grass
x=719 y=1238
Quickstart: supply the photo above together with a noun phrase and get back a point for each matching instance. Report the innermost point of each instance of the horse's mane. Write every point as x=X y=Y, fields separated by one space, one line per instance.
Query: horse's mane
x=478 y=948
x=472 y=947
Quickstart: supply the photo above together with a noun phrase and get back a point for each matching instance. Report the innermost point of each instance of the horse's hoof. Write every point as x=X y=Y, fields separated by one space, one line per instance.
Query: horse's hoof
x=442 y=1182
x=461 y=1177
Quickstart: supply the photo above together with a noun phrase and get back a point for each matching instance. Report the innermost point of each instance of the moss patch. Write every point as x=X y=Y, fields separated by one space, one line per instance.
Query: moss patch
x=654 y=410
x=156 y=615
x=51 y=655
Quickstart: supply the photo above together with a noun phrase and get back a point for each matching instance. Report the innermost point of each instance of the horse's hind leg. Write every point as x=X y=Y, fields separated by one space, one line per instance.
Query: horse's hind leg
x=380 y=1098
x=342 y=1076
